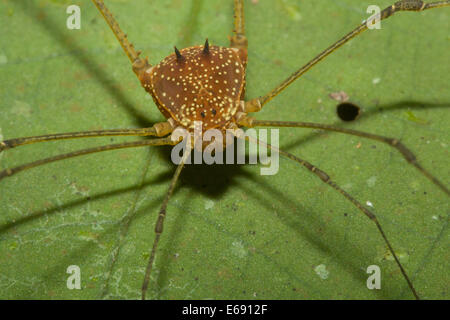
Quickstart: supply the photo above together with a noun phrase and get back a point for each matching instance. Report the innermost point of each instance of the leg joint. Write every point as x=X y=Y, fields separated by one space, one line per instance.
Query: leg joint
x=409 y=5
x=253 y=105
x=239 y=41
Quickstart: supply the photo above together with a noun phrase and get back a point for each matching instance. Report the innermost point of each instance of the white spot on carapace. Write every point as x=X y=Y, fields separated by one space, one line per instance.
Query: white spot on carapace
x=321 y=271
x=209 y=204
x=376 y=80
x=371 y=181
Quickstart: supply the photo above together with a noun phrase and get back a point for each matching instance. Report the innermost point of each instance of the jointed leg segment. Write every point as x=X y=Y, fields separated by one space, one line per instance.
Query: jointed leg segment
x=326 y=179
x=404 y=5
x=160 y=223
x=159 y=129
x=239 y=40
x=138 y=63
x=395 y=143
x=154 y=142
x=128 y=47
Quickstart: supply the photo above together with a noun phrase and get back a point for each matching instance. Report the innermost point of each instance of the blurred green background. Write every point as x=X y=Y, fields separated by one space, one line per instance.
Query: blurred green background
x=230 y=233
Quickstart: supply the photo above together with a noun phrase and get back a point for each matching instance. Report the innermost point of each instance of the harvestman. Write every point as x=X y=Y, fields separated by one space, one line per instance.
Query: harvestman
x=212 y=80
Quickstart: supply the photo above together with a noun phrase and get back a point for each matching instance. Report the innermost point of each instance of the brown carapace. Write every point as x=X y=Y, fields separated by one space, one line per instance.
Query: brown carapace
x=199 y=83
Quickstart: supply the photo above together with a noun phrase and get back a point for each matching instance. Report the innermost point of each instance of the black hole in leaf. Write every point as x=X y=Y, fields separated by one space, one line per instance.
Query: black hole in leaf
x=347 y=111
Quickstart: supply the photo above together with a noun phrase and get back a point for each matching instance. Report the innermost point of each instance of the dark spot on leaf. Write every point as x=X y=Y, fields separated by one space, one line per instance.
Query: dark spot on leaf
x=347 y=111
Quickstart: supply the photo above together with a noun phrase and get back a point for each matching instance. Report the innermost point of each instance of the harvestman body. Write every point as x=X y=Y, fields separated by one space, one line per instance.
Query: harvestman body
x=207 y=83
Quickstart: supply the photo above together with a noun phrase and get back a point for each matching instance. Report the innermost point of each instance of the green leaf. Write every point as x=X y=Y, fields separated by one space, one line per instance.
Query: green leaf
x=230 y=233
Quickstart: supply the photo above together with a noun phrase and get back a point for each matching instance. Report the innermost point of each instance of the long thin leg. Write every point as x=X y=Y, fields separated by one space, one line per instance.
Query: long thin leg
x=138 y=63
x=326 y=179
x=153 y=142
x=158 y=129
x=160 y=223
x=128 y=47
x=124 y=224
x=395 y=143
x=404 y=5
x=239 y=40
